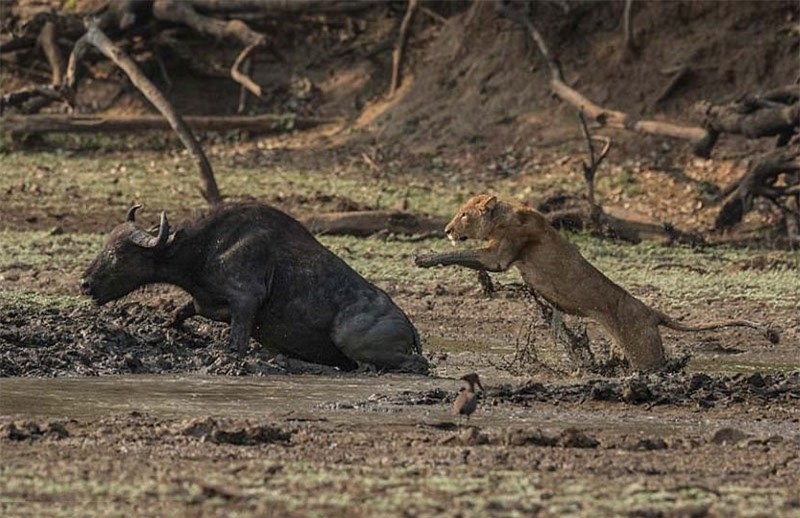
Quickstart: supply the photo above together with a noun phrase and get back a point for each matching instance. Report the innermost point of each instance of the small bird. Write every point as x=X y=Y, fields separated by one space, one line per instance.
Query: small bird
x=467 y=401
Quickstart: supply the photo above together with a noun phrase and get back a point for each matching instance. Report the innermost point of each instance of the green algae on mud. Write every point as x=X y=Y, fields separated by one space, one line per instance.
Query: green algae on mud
x=671 y=273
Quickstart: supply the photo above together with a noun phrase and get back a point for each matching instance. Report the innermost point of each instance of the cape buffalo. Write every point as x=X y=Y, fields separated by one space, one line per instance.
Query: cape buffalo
x=262 y=271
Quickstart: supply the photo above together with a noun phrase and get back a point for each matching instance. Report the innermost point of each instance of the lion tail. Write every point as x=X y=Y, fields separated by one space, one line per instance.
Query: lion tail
x=769 y=332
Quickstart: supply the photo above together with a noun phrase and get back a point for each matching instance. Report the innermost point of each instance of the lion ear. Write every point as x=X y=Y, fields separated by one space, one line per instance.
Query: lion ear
x=488 y=203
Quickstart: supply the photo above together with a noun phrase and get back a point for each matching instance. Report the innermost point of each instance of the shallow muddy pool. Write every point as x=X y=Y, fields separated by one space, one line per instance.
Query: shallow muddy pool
x=360 y=401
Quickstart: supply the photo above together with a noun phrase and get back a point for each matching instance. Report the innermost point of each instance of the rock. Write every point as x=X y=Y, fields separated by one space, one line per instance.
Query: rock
x=573 y=438
x=471 y=436
x=519 y=437
x=728 y=436
x=199 y=427
x=699 y=381
x=636 y=392
x=57 y=430
x=648 y=444
x=604 y=391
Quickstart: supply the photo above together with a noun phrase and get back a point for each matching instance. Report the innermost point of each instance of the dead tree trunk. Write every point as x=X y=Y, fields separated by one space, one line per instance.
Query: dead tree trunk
x=94 y=36
x=32 y=124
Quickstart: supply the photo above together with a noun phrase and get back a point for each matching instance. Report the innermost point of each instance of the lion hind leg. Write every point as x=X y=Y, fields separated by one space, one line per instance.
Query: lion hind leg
x=641 y=345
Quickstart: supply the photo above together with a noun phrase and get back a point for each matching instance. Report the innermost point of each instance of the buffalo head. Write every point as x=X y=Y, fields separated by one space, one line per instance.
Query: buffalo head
x=127 y=261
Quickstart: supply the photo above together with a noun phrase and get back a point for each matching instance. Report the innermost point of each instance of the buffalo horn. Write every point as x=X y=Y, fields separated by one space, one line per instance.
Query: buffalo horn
x=145 y=240
x=131 y=216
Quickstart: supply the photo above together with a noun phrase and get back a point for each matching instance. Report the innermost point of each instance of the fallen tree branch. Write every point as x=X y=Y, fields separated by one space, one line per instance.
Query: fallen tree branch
x=399 y=50
x=366 y=223
x=94 y=36
x=753 y=117
x=20 y=97
x=182 y=11
x=759 y=180
x=265 y=124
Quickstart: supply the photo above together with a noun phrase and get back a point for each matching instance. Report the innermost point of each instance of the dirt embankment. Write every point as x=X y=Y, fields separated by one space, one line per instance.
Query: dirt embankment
x=479 y=84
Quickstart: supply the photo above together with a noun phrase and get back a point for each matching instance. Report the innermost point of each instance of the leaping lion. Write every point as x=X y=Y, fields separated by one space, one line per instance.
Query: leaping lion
x=552 y=266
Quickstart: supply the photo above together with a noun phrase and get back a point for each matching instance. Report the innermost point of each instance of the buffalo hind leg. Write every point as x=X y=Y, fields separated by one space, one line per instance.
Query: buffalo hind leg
x=385 y=343
x=182 y=314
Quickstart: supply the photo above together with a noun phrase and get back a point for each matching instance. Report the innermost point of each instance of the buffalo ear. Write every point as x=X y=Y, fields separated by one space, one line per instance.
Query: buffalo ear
x=488 y=203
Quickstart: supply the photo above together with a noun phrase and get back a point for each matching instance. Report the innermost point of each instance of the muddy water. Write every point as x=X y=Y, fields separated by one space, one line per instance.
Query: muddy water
x=179 y=396
x=350 y=400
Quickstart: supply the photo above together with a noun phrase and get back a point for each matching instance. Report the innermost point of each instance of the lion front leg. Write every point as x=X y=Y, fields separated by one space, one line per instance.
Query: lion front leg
x=488 y=259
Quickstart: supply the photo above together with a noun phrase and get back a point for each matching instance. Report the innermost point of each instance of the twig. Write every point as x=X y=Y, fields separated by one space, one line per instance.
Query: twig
x=590 y=170
x=678 y=76
x=183 y=11
x=433 y=14
x=248 y=69
x=242 y=77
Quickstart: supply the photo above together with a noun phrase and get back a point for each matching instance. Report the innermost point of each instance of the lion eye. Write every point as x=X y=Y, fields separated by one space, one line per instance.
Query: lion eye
x=463 y=217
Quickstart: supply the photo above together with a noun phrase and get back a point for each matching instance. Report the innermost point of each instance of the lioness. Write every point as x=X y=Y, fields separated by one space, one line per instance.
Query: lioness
x=520 y=236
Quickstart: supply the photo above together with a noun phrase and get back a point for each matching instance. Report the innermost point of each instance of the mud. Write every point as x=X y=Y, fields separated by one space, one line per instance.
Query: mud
x=286 y=445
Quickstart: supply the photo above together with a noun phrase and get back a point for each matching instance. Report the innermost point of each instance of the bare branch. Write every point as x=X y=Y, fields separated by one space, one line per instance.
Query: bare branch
x=399 y=49
x=94 y=36
x=630 y=44
x=242 y=77
x=47 y=41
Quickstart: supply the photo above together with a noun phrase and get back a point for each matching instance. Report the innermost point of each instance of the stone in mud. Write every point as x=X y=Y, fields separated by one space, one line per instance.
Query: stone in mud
x=519 y=437
x=573 y=438
x=57 y=430
x=604 y=391
x=756 y=380
x=699 y=381
x=728 y=436
x=471 y=436
x=648 y=444
x=636 y=392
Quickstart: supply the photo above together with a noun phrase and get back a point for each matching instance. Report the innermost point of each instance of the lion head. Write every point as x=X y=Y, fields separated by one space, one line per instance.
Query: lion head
x=472 y=221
